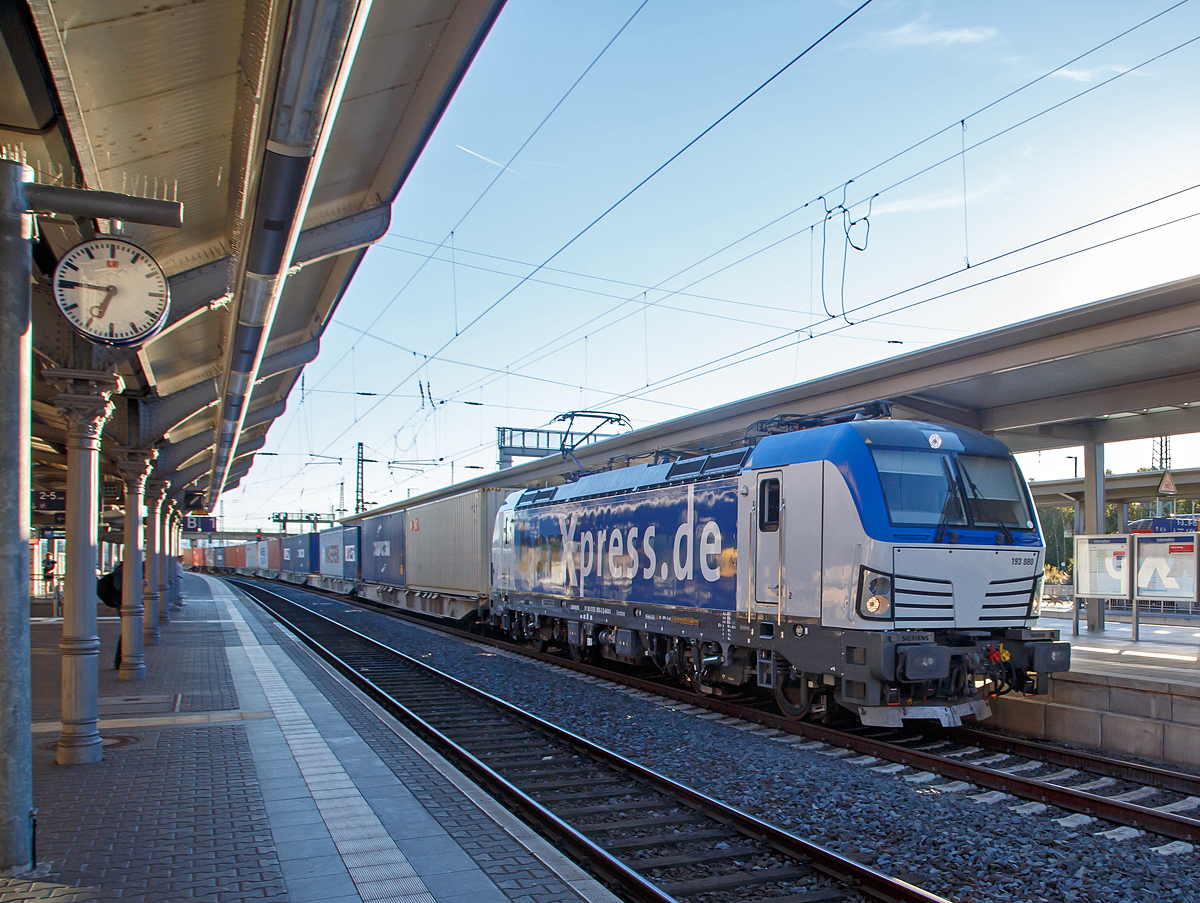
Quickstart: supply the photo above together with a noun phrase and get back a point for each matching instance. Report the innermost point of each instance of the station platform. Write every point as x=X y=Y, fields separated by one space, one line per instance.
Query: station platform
x=244 y=769
x=1131 y=698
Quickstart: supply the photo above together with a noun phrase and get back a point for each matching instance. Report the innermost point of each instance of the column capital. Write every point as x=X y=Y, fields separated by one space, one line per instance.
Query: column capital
x=83 y=399
x=134 y=465
x=155 y=492
x=83 y=382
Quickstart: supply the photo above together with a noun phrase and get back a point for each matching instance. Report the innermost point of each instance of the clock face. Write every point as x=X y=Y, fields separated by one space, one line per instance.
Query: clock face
x=111 y=291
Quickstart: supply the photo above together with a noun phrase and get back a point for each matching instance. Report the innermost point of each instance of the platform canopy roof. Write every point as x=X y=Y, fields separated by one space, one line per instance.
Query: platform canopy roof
x=285 y=127
x=1124 y=368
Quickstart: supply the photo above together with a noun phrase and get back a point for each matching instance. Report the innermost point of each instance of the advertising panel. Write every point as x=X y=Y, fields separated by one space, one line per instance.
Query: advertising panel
x=383 y=549
x=1166 y=567
x=1102 y=567
x=675 y=545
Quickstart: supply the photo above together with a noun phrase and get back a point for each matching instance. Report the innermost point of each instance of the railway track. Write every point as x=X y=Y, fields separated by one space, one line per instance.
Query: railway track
x=1129 y=794
x=655 y=839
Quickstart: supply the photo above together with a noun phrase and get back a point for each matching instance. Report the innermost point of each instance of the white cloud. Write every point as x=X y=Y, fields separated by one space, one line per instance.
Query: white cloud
x=939 y=200
x=1089 y=75
x=919 y=34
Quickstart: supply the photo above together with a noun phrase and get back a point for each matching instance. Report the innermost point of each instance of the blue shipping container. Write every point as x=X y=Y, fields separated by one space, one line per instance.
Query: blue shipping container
x=301 y=554
x=383 y=549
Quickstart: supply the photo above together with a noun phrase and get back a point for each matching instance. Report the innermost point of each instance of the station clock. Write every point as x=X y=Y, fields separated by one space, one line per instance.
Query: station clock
x=111 y=291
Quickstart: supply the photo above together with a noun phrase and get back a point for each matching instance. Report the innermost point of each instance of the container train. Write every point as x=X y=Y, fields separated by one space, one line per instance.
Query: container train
x=888 y=568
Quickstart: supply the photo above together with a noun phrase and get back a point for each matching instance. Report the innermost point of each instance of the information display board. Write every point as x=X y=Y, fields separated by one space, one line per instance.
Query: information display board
x=1102 y=566
x=1166 y=567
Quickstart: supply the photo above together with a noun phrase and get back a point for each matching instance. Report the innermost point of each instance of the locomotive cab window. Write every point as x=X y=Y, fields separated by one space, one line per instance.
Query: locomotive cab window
x=768 y=506
x=919 y=487
x=994 y=492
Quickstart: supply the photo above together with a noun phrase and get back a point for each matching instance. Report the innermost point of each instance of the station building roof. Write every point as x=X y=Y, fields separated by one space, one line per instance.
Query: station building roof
x=1123 y=368
x=191 y=100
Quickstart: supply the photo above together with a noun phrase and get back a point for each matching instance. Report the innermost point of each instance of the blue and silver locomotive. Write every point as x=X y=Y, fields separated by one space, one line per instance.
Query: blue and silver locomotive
x=889 y=567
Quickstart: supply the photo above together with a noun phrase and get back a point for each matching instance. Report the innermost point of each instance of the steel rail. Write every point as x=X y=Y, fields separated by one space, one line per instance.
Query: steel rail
x=1120 y=812
x=867 y=880
x=603 y=863
x=1151 y=775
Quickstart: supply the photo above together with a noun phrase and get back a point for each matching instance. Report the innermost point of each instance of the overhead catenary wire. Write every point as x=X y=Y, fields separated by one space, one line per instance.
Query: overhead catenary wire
x=500 y=172
x=692 y=373
x=911 y=176
x=478 y=317
x=959 y=123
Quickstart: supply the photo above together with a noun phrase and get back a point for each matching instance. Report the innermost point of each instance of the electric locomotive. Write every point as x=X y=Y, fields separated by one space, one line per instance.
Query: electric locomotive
x=891 y=568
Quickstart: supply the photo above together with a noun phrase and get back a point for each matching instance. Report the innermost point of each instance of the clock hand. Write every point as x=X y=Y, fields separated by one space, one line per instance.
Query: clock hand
x=110 y=292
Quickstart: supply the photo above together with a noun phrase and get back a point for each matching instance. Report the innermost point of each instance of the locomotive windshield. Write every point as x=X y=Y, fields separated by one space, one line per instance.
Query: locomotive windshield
x=929 y=488
x=919 y=487
x=994 y=494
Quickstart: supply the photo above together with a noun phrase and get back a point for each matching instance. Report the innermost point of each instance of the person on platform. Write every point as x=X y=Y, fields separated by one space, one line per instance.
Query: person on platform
x=108 y=588
x=48 y=566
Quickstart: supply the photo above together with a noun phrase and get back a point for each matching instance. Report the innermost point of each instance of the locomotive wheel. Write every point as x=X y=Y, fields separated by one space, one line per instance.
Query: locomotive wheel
x=792 y=694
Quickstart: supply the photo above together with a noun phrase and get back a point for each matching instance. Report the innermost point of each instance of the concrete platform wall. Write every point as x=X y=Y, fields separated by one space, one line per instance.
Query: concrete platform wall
x=1148 y=719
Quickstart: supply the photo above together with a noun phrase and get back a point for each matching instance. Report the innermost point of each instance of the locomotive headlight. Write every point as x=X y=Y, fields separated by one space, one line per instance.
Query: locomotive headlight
x=875 y=595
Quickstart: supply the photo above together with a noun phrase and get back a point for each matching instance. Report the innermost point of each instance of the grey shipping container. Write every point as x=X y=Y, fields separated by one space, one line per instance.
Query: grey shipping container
x=339 y=553
x=331 y=552
x=449 y=543
x=219 y=557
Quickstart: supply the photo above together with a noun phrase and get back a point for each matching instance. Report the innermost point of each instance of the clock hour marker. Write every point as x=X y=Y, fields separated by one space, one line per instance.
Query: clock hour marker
x=158 y=294
x=88 y=252
x=70 y=306
x=69 y=265
x=110 y=330
x=112 y=251
x=65 y=283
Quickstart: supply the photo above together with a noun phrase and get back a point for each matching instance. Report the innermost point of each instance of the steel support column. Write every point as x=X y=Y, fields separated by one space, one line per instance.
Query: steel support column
x=166 y=601
x=154 y=540
x=135 y=467
x=177 y=533
x=179 y=549
x=16 y=344
x=165 y=526
x=1093 y=515
x=83 y=400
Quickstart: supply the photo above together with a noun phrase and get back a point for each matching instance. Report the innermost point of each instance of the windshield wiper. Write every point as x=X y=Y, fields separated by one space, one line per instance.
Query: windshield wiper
x=1008 y=537
x=952 y=485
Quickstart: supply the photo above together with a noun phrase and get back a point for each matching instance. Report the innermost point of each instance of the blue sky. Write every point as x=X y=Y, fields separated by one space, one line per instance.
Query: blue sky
x=705 y=285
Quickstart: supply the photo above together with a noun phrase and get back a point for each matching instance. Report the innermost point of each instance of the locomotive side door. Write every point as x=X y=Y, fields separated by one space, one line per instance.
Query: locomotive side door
x=768 y=530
